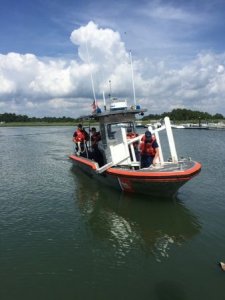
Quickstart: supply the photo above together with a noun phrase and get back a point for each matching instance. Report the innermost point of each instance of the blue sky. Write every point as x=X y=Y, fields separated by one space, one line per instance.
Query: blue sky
x=178 y=50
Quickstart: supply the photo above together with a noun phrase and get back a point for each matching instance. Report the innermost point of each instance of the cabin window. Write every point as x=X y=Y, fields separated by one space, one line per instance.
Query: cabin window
x=103 y=135
x=114 y=129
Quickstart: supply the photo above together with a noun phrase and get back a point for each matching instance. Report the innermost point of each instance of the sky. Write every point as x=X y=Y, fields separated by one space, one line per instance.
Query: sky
x=56 y=55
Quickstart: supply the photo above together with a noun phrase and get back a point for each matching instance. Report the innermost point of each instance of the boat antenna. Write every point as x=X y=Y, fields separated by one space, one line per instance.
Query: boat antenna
x=103 y=94
x=110 y=91
x=132 y=72
x=92 y=82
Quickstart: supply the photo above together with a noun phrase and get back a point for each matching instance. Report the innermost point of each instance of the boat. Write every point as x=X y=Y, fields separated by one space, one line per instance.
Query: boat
x=121 y=167
x=217 y=126
x=154 y=125
x=196 y=126
x=177 y=126
x=140 y=125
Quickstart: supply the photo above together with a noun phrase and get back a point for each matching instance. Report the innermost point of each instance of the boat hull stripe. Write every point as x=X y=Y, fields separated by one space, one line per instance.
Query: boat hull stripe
x=181 y=174
x=84 y=161
x=150 y=177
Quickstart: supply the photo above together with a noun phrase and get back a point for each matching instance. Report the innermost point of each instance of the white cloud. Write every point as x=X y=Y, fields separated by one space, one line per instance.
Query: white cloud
x=170 y=13
x=103 y=44
x=60 y=103
x=34 y=86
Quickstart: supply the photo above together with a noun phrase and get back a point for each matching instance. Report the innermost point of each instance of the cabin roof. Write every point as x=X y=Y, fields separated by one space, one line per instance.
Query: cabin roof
x=111 y=114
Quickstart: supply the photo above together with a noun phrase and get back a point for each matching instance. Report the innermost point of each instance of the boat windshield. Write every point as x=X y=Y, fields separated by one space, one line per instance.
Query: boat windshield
x=114 y=129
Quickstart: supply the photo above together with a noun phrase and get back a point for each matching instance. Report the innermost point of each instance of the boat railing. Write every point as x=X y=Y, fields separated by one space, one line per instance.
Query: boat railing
x=125 y=152
x=171 y=142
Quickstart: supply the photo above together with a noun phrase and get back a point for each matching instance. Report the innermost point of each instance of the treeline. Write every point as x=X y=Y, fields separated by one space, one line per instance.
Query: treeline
x=175 y=115
x=185 y=115
x=8 y=117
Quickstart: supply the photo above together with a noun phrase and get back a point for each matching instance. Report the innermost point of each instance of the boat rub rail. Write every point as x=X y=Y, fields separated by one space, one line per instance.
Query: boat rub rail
x=182 y=174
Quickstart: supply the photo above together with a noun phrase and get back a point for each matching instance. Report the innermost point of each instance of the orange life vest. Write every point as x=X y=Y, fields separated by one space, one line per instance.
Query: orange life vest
x=79 y=136
x=147 y=148
x=131 y=135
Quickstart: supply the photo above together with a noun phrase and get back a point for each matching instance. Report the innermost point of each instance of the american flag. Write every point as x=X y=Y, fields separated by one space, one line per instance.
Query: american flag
x=94 y=105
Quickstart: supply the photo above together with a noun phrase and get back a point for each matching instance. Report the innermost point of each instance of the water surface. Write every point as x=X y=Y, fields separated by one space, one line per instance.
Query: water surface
x=63 y=236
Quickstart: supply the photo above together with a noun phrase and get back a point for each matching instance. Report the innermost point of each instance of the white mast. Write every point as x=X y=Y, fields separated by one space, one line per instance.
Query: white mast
x=103 y=94
x=92 y=82
x=132 y=72
x=110 y=91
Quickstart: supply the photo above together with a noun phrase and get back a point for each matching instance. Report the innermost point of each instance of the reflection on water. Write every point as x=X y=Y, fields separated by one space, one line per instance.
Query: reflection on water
x=132 y=222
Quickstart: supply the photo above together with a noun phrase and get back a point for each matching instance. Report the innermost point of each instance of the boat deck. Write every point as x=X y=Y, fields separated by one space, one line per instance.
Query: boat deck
x=167 y=167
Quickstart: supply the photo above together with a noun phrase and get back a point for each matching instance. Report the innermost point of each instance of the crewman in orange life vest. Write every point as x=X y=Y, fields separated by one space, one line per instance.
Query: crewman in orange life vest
x=80 y=137
x=149 y=150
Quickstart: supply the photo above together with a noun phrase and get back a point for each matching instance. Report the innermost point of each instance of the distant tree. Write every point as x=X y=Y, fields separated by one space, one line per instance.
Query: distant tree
x=218 y=116
x=179 y=114
x=182 y=114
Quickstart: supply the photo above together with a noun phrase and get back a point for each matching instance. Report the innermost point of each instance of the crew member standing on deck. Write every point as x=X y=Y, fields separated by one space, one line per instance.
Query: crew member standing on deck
x=96 y=153
x=80 y=137
x=149 y=150
x=95 y=138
